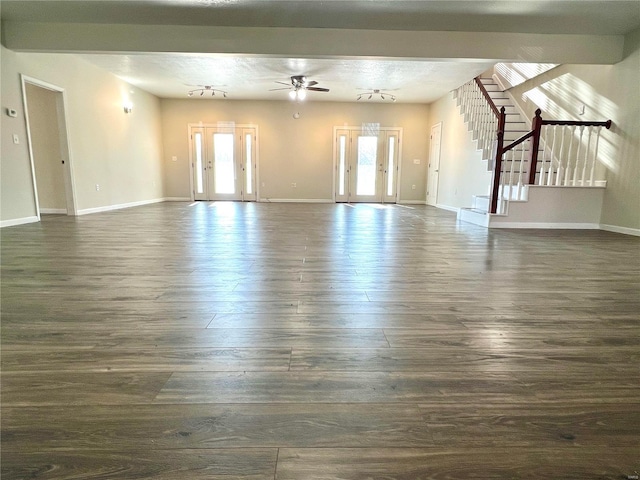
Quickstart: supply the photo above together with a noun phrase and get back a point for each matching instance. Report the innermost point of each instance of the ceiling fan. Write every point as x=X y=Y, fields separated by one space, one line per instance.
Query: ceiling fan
x=299 y=87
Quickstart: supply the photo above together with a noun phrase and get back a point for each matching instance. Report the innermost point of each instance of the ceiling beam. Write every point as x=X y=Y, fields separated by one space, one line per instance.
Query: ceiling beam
x=311 y=42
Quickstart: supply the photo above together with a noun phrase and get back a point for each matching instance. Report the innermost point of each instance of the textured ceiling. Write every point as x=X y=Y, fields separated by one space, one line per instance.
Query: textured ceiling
x=252 y=77
x=243 y=77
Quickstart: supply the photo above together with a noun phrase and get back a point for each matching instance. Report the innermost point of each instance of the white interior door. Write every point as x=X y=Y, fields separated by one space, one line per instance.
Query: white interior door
x=434 y=164
x=224 y=163
x=366 y=165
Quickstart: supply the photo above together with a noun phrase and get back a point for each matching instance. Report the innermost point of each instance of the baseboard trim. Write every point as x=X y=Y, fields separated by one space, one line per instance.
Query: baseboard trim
x=18 y=221
x=545 y=226
x=617 y=229
x=108 y=208
x=296 y=200
x=176 y=199
x=412 y=202
x=447 y=207
x=53 y=211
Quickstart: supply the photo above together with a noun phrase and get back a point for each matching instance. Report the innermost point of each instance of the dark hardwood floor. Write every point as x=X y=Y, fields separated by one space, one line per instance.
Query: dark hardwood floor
x=316 y=342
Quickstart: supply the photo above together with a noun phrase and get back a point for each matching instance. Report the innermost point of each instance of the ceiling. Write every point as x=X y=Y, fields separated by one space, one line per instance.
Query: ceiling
x=414 y=80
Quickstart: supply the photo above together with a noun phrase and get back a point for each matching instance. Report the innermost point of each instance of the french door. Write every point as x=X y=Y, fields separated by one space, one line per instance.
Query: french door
x=224 y=163
x=367 y=165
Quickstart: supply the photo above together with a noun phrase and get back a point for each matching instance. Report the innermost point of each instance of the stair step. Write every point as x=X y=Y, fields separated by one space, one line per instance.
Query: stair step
x=468 y=215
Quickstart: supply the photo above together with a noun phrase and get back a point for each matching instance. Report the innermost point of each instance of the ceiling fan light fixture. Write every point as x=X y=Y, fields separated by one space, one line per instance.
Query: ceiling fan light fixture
x=292 y=94
x=302 y=94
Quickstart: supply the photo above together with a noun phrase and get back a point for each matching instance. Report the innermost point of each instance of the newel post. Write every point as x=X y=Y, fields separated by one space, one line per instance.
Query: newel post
x=497 y=164
x=536 y=127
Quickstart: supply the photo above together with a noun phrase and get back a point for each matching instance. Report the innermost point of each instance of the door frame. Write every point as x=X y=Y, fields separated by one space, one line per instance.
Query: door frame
x=437 y=169
x=222 y=125
x=352 y=128
x=63 y=135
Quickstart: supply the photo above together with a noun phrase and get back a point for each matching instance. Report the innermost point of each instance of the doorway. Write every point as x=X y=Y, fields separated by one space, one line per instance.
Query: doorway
x=366 y=164
x=224 y=162
x=434 y=164
x=53 y=186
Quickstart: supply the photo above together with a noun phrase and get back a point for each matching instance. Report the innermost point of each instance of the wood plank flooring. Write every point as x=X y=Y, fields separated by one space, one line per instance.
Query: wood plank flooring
x=316 y=342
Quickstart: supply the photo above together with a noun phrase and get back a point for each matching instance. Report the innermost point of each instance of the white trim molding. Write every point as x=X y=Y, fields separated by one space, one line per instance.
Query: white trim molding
x=296 y=200
x=617 y=229
x=447 y=207
x=177 y=199
x=18 y=221
x=53 y=211
x=412 y=202
x=108 y=208
x=547 y=226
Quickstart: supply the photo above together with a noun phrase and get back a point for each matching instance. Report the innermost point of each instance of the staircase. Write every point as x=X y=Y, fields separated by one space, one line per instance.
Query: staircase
x=511 y=145
x=483 y=125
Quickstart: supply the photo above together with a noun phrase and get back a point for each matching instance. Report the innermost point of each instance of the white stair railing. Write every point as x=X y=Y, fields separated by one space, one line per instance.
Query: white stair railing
x=570 y=155
x=480 y=114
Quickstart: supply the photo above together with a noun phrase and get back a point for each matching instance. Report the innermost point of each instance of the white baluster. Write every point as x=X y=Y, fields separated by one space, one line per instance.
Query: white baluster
x=595 y=157
x=553 y=146
x=586 y=157
x=561 y=157
x=543 y=144
x=568 y=170
x=579 y=148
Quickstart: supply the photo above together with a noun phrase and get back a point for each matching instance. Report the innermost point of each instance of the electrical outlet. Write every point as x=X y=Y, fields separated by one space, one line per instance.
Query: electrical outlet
x=97 y=187
x=16 y=139
x=413 y=187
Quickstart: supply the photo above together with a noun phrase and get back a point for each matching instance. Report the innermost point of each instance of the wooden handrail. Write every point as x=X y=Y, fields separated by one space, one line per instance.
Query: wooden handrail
x=517 y=142
x=497 y=167
x=487 y=97
x=606 y=124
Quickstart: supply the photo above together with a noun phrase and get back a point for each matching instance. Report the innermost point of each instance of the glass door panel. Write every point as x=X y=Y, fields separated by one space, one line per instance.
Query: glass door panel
x=247 y=182
x=390 y=176
x=199 y=166
x=366 y=166
x=342 y=165
x=224 y=172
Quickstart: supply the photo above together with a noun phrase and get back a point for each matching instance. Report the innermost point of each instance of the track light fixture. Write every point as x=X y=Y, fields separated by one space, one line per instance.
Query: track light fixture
x=206 y=89
x=376 y=92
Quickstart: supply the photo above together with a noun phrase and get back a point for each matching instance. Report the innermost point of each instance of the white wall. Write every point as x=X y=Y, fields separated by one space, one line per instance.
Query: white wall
x=463 y=173
x=121 y=153
x=295 y=151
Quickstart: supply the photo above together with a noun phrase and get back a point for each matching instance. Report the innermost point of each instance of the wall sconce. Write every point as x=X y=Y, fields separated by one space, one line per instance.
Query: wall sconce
x=128 y=107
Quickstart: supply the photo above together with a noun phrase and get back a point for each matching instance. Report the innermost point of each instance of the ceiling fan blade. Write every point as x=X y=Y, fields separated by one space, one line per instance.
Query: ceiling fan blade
x=283 y=83
x=311 y=83
x=318 y=89
x=283 y=88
